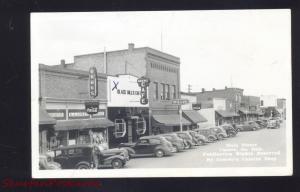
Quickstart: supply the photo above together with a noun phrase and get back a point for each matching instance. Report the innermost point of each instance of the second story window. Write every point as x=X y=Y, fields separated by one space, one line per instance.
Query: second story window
x=167 y=96
x=162 y=91
x=174 y=91
x=155 y=96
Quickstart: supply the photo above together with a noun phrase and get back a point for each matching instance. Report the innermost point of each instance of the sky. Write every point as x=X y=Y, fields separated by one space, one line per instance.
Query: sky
x=248 y=49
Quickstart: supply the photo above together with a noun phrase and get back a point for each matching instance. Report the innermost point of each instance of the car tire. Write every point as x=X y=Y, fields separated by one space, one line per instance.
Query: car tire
x=159 y=153
x=117 y=163
x=220 y=137
x=83 y=165
x=211 y=139
x=176 y=148
x=238 y=130
x=201 y=142
x=189 y=146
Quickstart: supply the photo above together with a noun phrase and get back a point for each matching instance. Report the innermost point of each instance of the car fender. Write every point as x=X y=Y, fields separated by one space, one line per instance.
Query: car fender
x=129 y=150
x=109 y=159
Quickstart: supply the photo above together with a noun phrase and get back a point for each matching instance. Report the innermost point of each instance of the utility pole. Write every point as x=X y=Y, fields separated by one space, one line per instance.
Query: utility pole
x=189 y=88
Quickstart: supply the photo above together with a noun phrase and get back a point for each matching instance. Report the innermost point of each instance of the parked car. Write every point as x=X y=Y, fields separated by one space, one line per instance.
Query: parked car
x=187 y=138
x=219 y=132
x=177 y=142
x=197 y=138
x=273 y=124
x=208 y=133
x=87 y=156
x=248 y=126
x=261 y=123
x=230 y=131
x=46 y=162
x=149 y=145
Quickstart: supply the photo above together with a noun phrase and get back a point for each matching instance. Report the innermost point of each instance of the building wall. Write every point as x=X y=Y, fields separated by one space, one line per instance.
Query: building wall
x=249 y=102
x=219 y=104
x=232 y=95
x=281 y=103
x=268 y=101
x=192 y=100
x=209 y=114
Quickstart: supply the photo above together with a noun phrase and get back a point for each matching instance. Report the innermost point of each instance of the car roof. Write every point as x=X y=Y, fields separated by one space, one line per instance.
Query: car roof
x=75 y=146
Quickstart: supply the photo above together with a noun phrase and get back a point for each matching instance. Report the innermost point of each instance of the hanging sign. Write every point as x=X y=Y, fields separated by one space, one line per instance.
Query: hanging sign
x=143 y=83
x=91 y=107
x=93 y=82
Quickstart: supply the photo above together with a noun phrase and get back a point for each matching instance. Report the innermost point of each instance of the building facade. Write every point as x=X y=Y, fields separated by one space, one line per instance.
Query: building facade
x=161 y=68
x=63 y=94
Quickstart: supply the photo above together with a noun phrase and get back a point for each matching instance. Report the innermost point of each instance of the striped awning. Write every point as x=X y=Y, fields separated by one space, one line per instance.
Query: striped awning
x=194 y=116
x=170 y=120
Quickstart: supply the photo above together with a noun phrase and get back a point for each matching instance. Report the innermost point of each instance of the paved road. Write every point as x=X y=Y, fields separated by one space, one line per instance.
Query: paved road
x=264 y=147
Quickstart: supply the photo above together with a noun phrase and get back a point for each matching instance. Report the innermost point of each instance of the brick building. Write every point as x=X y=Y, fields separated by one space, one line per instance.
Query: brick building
x=250 y=108
x=63 y=93
x=161 y=68
x=233 y=97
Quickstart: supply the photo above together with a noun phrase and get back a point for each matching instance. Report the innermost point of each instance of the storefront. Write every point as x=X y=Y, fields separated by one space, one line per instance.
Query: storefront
x=224 y=116
x=246 y=115
x=46 y=130
x=125 y=108
x=168 y=123
x=75 y=126
x=194 y=117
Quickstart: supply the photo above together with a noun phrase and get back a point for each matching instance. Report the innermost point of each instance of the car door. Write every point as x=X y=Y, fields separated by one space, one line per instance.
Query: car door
x=61 y=157
x=142 y=146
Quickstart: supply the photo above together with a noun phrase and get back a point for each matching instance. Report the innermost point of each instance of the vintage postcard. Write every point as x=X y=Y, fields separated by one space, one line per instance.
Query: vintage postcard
x=161 y=94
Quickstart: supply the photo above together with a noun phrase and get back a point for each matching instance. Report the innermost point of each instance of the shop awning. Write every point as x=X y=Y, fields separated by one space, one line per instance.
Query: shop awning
x=194 y=116
x=82 y=124
x=246 y=112
x=225 y=113
x=45 y=119
x=170 y=120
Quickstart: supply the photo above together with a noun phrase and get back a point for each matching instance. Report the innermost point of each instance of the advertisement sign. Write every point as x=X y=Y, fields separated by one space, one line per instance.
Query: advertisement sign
x=124 y=91
x=91 y=107
x=78 y=114
x=143 y=83
x=180 y=101
x=93 y=82
x=58 y=114
x=196 y=106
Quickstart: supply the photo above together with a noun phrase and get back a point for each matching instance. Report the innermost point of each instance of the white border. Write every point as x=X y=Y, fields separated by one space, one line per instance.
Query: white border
x=152 y=172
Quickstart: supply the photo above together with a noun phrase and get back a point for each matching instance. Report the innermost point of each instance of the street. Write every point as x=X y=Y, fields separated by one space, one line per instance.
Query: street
x=262 y=148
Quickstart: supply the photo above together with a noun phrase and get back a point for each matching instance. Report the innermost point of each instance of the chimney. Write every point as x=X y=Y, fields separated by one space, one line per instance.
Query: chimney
x=63 y=63
x=213 y=89
x=130 y=46
x=203 y=90
x=225 y=87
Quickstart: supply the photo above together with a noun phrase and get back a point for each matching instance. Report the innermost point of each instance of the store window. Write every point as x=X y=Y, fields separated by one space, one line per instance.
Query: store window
x=140 y=126
x=120 y=128
x=73 y=134
x=155 y=90
x=174 y=91
x=162 y=91
x=167 y=96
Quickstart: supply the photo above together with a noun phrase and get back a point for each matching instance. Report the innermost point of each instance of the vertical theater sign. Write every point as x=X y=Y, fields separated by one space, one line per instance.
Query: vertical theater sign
x=91 y=106
x=143 y=83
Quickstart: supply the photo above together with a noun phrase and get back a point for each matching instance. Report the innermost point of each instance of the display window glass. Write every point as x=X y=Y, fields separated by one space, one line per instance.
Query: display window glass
x=120 y=128
x=140 y=126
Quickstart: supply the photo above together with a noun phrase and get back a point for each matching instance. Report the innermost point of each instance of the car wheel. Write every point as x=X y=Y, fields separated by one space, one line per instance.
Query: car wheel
x=117 y=164
x=220 y=137
x=253 y=129
x=189 y=146
x=159 y=153
x=211 y=139
x=201 y=142
x=83 y=166
x=238 y=130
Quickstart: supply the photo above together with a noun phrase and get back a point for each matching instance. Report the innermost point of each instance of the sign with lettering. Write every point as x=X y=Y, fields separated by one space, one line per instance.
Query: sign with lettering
x=180 y=101
x=124 y=91
x=143 y=83
x=100 y=114
x=78 y=114
x=91 y=107
x=58 y=114
x=196 y=106
x=93 y=82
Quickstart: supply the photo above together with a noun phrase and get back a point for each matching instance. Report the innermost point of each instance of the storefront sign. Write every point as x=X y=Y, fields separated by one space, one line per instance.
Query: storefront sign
x=180 y=101
x=124 y=91
x=99 y=114
x=196 y=106
x=58 y=114
x=91 y=107
x=78 y=114
x=93 y=82
x=143 y=83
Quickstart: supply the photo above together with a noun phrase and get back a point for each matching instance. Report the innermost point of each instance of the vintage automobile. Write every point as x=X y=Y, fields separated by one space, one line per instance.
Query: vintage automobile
x=273 y=124
x=87 y=156
x=219 y=132
x=198 y=138
x=46 y=162
x=208 y=133
x=248 y=126
x=230 y=131
x=261 y=124
x=177 y=142
x=187 y=138
x=149 y=146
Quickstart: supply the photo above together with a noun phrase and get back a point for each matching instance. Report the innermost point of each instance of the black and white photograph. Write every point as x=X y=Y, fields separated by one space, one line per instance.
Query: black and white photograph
x=161 y=94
